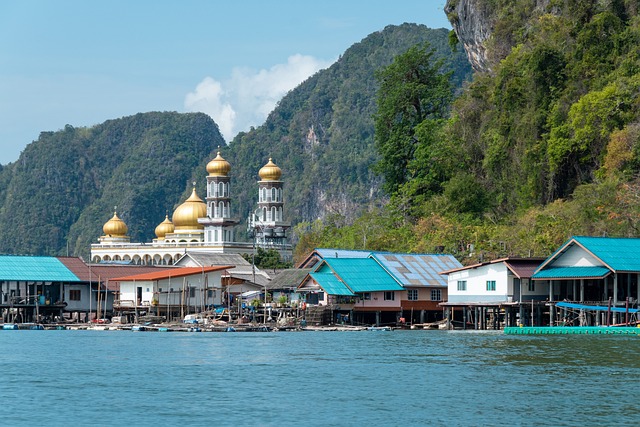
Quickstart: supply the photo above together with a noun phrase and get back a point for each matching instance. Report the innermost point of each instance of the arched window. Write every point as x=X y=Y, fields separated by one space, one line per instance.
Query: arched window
x=221 y=209
x=280 y=213
x=279 y=194
x=217 y=211
x=212 y=189
x=273 y=195
x=264 y=214
x=221 y=189
x=273 y=214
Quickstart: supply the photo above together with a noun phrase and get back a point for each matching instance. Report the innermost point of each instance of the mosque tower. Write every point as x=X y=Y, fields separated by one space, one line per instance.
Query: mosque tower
x=267 y=221
x=218 y=223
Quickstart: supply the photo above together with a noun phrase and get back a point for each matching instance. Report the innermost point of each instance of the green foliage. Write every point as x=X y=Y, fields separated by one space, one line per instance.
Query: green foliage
x=267 y=259
x=413 y=92
x=65 y=185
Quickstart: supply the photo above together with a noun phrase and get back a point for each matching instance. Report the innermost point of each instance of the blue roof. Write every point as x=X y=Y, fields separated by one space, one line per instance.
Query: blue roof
x=34 y=268
x=342 y=253
x=571 y=273
x=331 y=284
x=417 y=269
x=621 y=254
x=361 y=274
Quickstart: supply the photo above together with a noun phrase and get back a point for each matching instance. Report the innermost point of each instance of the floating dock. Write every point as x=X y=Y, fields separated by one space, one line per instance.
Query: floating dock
x=572 y=330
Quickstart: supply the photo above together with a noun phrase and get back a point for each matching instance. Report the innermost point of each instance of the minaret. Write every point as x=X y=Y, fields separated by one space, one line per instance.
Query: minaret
x=115 y=231
x=218 y=224
x=268 y=220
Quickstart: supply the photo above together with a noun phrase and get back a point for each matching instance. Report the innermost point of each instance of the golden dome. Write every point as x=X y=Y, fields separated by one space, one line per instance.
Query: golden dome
x=185 y=217
x=218 y=166
x=164 y=228
x=115 y=227
x=270 y=172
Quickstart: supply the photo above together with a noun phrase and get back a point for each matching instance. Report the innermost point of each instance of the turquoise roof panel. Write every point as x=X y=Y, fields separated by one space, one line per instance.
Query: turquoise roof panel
x=34 y=268
x=363 y=274
x=621 y=254
x=331 y=284
x=571 y=273
x=418 y=269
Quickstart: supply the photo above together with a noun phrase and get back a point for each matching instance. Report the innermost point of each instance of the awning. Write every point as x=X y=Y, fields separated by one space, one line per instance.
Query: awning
x=596 y=307
x=572 y=273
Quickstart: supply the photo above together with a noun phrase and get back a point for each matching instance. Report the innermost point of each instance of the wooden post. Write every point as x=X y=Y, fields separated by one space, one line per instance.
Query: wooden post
x=581 y=290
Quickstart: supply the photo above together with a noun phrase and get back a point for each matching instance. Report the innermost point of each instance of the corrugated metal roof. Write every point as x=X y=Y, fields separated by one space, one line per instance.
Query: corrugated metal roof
x=571 y=273
x=342 y=253
x=621 y=254
x=289 y=278
x=418 y=269
x=523 y=267
x=35 y=268
x=363 y=274
x=331 y=284
x=175 y=272
x=210 y=259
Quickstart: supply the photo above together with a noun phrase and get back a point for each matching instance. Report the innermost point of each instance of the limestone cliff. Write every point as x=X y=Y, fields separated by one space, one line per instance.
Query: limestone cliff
x=487 y=29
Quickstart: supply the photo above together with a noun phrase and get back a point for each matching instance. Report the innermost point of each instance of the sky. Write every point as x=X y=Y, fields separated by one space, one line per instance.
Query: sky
x=82 y=62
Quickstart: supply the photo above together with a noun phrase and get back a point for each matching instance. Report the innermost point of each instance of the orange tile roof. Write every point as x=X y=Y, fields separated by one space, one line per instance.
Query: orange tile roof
x=174 y=272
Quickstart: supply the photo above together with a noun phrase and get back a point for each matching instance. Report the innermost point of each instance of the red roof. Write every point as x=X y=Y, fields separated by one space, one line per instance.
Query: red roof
x=174 y=272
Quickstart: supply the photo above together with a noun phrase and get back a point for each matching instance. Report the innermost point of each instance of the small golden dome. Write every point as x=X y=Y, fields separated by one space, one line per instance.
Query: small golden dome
x=185 y=217
x=164 y=228
x=115 y=227
x=270 y=172
x=218 y=166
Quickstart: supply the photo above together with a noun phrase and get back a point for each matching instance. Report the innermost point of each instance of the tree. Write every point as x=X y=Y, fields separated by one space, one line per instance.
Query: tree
x=413 y=90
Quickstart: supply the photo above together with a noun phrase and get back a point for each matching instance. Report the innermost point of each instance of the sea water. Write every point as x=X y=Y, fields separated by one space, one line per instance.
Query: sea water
x=369 y=378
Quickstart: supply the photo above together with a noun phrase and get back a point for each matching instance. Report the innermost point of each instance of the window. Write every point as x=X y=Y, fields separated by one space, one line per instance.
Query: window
x=273 y=194
x=462 y=285
x=192 y=292
x=389 y=296
x=436 y=295
x=532 y=286
x=366 y=296
x=75 y=295
x=412 y=294
x=491 y=285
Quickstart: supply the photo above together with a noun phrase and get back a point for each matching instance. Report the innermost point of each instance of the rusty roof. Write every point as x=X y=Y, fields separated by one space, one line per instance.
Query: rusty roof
x=174 y=272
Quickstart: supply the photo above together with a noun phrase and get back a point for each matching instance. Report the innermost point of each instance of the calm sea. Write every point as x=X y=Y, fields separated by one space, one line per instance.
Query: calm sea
x=372 y=378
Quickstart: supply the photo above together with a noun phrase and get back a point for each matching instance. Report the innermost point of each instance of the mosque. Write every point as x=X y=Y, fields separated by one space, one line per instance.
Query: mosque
x=204 y=226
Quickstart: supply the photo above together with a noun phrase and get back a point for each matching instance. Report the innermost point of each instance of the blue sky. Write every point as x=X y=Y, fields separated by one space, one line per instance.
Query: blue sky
x=82 y=62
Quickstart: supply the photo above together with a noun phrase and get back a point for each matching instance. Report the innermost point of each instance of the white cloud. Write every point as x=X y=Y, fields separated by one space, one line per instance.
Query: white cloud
x=248 y=96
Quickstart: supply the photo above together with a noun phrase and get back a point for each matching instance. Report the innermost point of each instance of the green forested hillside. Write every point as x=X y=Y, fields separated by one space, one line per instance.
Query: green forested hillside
x=544 y=145
x=65 y=185
x=322 y=133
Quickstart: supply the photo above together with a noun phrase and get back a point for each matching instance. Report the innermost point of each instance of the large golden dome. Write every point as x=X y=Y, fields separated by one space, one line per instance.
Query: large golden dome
x=218 y=166
x=185 y=217
x=164 y=228
x=115 y=227
x=270 y=172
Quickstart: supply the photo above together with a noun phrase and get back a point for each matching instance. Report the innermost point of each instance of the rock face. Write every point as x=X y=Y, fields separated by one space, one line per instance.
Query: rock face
x=473 y=21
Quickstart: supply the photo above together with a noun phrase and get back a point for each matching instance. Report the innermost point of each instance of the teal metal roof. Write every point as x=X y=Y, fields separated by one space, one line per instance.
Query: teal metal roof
x=621 y=254
x=418 y=269
x=361 y=274
x=572 y=273
x=34 y=268
x=331 y=284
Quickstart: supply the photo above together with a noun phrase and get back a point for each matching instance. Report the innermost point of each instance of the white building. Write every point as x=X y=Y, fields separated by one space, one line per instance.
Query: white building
x=171 y=293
